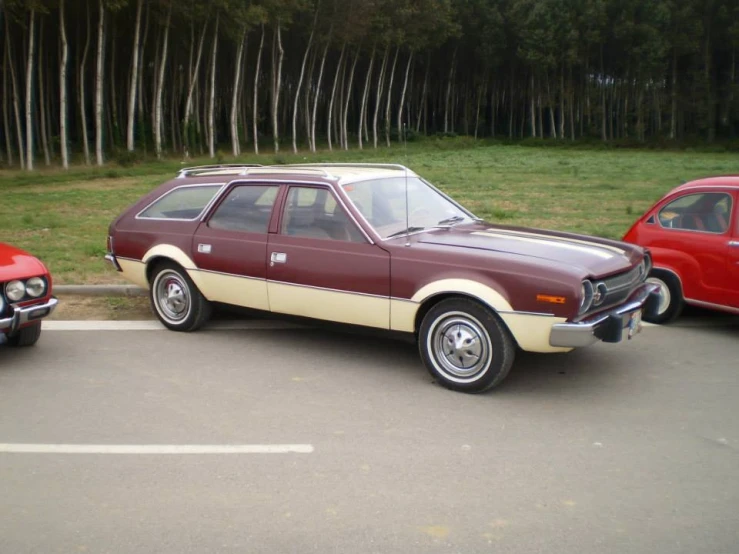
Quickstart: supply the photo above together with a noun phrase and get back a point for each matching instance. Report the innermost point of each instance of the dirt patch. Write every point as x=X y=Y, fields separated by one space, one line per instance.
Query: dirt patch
x=73 y=307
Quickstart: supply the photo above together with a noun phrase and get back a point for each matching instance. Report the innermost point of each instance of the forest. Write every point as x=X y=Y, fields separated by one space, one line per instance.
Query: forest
x=86 y=81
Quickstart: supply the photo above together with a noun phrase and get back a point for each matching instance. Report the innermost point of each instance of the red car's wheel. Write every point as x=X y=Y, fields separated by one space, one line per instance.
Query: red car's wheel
x=28 y=336
x=670 y=297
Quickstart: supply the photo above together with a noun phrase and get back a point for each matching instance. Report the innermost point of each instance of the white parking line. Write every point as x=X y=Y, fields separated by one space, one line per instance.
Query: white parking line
x=156 y=448
x=149 y=325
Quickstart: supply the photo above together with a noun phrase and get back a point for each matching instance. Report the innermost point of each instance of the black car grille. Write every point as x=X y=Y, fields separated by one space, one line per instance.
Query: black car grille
x=618 y=287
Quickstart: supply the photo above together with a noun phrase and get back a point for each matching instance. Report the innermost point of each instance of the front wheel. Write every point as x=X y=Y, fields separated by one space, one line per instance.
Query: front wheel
x=465 y=346
x=670 y=297
x=28 y=336
x=176 y=300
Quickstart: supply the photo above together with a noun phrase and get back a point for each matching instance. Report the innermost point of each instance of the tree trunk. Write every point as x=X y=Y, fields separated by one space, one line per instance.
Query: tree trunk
x=63 y=89
x=99 y=86
x=388 y=103
x=344 y=119
x=159 y=87
x=401 y=134
x=42 y=96
x=83 y=99
x=29 y=91
x=300 y=84
x=278 y=54
x=256 y=93
x=604 y=132
x=449 y=93
x=333 y=93
x=378 y=98
x=235 y=143
x=212 y=103
x=317 y=94
x=365 y=95
x=134 y=78
x=423 y=108
x=16 y=101
x=532 y=109
x=191 y=89
x=6 y=115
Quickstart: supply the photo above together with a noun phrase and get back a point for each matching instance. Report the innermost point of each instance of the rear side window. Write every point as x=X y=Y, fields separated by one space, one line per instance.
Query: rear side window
x=186 y=202
x=708 y=212
x=246 y=208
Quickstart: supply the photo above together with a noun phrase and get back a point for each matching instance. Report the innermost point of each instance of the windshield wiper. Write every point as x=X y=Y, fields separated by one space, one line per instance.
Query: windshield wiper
x=451 y=220
x=405 y=232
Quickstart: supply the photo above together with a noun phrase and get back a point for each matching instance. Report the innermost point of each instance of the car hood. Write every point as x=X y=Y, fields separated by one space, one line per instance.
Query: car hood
x=15 y=264
x=591 y=256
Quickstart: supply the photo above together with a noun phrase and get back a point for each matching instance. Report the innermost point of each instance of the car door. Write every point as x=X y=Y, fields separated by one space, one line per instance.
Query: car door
x=230 y=246
x=733 y=256
x=322 y=265
x=693 y=230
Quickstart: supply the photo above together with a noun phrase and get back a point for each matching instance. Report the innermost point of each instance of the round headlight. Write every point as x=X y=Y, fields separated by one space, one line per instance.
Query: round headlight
x=587 y=296
x=2 y=304
x=15 y=290
x=35 y=287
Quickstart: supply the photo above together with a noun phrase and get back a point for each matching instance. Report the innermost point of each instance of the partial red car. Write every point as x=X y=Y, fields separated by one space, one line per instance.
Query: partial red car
x=376 y=245
x=692 y=234
x=25 y=296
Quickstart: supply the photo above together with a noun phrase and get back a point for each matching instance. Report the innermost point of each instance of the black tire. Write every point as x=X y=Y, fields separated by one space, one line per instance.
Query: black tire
x=28 y=336
x=479 y=334
x=176 y=300
x=671 y=297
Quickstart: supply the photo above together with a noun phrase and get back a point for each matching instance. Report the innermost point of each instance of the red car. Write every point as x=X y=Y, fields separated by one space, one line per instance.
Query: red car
x=25 y=296
x=693 y=236
x=377 y=246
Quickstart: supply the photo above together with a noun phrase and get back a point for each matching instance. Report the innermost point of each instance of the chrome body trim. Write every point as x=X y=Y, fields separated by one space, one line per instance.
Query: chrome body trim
x=21 y=316
x=608 y=326
x=734 y=244
x=711 y=306
x=170 y=191
x=272 y=281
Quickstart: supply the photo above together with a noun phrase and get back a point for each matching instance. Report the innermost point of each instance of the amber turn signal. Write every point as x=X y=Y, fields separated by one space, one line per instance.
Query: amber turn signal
x=550 y=299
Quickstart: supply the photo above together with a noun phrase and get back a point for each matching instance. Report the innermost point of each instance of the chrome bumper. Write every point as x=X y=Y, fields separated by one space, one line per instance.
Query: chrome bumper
x=27 y=314
x=608 y=326
x=110 y=258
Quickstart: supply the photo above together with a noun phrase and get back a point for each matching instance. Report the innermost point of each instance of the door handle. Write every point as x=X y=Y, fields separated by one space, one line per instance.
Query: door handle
x=278 y=258
x=734 y=244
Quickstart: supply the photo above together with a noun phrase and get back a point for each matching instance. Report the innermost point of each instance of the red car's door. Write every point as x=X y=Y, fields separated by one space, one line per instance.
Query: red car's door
x=322 y=265
x=230 y=247
x=733 y=257
x=691 y=233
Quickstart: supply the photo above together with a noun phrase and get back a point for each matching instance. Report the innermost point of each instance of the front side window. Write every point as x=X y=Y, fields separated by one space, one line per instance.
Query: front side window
x=382 y=202
x=186 y=202
x=314 y=213
x=247 y=208
x=708 y=212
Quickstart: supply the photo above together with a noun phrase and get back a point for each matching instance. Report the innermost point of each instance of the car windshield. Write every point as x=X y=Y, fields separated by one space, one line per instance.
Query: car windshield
x=382 y=202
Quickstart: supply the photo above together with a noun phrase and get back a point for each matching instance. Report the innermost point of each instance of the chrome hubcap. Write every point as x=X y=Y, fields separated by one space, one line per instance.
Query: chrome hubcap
x=664 y=294
x=172 y=296
x=460 y=346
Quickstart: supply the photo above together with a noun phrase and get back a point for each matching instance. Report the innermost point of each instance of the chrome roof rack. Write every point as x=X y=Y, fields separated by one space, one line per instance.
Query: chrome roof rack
x=368 y=165
x=235 y=168
x=287 y=168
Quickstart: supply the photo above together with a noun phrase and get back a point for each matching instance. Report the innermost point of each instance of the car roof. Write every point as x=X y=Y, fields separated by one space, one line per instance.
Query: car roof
x=335 y=173
x=720 y=181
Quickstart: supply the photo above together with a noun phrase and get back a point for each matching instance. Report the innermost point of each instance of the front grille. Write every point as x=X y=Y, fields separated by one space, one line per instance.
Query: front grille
x=619 y=287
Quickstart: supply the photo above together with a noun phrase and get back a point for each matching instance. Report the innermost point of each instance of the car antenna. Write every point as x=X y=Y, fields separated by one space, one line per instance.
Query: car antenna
x=405 y=173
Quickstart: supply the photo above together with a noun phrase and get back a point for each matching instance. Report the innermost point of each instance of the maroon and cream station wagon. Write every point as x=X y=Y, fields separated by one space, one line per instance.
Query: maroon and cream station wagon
x=375 y=245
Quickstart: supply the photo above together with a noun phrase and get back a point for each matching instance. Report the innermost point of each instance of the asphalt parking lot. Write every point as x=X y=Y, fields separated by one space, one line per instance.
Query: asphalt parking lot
x=266 y=438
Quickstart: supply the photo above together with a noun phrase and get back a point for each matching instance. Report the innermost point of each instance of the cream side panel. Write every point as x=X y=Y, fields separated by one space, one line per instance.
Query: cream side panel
x=172 y=252
x=342 y=307
x=532 y=331
x=231 y=289
x=403 y=315
x=134 y=271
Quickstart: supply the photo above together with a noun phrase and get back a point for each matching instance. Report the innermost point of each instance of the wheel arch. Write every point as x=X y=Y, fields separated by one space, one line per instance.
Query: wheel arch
x=166 y=252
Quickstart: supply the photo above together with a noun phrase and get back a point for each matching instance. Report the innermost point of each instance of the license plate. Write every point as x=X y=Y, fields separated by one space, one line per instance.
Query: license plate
x=634 y=324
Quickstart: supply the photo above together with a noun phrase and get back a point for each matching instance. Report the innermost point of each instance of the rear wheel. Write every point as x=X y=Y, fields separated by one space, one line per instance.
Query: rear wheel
x=176 y=300
x=28 y=336
x=670 y=297
x=465 y=346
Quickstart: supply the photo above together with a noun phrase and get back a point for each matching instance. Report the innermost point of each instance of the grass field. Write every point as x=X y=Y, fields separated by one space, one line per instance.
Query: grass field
x=62 y=217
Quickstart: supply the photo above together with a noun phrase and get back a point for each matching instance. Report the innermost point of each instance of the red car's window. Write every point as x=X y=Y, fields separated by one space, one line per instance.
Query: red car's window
x=314 y=213
x=247 y=208
x=708 y=212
